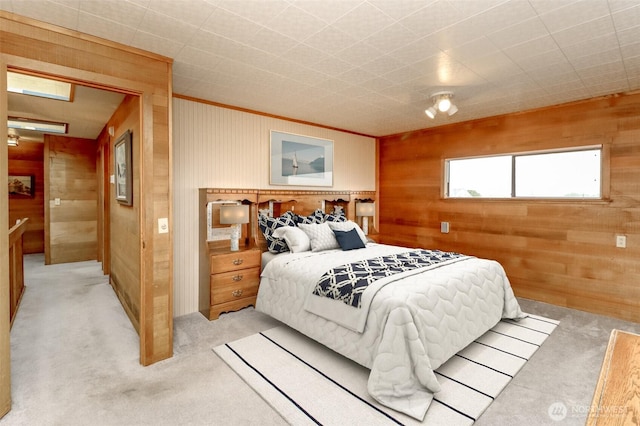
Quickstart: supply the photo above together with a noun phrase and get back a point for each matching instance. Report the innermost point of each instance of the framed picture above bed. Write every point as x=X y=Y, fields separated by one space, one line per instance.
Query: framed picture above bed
x=300 y=160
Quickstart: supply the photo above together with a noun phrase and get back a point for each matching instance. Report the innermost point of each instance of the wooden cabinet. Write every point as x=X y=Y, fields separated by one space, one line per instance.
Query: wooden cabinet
x=229 y=280
x=233 y=280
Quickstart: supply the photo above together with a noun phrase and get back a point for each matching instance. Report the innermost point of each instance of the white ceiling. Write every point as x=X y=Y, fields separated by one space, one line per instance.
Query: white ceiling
x=370 y=66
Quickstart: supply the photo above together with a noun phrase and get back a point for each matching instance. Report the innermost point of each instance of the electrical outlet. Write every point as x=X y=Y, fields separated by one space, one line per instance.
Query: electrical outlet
x=444 y=227
x=621 y=241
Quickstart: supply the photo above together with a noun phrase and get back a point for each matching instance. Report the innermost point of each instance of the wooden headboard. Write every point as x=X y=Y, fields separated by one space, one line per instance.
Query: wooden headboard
x=302 y=202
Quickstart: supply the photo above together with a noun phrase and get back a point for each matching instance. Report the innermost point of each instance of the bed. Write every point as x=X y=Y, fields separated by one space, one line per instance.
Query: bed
x=406 y=324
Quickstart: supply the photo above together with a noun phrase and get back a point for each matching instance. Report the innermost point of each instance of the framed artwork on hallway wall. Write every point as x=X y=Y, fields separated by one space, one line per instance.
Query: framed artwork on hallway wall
x=122 y=168
x=22 y=185
x=300 y=160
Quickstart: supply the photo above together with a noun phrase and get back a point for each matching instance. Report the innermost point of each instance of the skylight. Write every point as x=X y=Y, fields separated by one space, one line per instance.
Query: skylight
x=38 y=86
x=37 y=125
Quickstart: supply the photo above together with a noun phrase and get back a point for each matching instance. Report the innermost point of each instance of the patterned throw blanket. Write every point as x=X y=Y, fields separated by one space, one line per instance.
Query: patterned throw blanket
x=347 y=282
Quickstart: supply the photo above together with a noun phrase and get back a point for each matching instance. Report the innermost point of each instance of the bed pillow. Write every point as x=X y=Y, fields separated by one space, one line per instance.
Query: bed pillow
x=347 y=226
x=349 y=240
x=335 y=217
x=316 y=217
x=296 y=239
x=268 y=225
x=320 y=236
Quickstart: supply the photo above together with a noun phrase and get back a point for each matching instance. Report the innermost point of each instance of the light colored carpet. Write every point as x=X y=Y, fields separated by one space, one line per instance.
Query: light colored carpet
x=308 y=383
x=75 y=361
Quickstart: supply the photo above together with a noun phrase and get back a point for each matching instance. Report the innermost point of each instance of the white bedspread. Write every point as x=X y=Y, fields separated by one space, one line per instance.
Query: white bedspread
x=413 y=326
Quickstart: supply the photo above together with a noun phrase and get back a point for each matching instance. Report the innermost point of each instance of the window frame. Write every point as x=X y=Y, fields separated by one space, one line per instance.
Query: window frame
x=604 y=175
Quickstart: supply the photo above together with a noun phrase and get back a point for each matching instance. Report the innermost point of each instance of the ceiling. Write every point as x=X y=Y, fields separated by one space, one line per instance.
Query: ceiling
x=370 y=66
x=86 y=115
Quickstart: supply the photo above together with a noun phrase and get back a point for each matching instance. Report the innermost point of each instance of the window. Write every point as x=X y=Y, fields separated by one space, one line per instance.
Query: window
x=559 y=174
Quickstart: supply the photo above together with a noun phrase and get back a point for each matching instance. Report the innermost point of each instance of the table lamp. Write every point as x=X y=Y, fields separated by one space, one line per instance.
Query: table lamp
x=234 y=215
x=364 y=210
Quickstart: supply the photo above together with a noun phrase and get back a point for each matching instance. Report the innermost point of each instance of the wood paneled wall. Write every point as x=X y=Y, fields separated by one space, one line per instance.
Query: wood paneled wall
x=28 y=159
x=32 y=45
x=217 y=147
x=123 y=220
x=561 y=252
x=71 y=233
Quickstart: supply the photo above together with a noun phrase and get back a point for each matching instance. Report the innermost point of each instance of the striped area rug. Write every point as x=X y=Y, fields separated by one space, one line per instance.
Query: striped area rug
x=310 y=384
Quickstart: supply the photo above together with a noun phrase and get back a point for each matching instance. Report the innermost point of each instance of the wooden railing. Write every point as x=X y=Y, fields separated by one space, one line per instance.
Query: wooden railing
x=16 y=266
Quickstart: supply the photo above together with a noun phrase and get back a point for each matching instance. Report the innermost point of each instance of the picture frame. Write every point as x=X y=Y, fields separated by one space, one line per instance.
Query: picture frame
x=22 y=186
x=300 y=160
x=122 y=169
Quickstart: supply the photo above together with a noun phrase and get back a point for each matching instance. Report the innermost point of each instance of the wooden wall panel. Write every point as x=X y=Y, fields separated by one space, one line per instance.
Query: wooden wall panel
x=561 y=252
x=216 y=147
x=39 y=47
x=72 y=234
x=124 y=237
x=28 y=159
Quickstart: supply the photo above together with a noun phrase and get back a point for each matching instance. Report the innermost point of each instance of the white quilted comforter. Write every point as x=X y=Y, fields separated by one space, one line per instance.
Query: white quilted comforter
x=414 y=324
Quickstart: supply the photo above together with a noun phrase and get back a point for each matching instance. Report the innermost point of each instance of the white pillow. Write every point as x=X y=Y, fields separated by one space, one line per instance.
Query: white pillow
x=321 y=236
x=295 y=238
x=348 y=226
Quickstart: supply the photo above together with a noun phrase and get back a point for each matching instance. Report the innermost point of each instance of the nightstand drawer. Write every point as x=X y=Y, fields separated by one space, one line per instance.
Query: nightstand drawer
x=235 y=261
x=234 y=285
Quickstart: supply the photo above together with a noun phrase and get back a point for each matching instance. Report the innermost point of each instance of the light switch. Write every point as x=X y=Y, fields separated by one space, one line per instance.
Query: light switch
x=56 y=201
x=163 y=225
x=444 y=227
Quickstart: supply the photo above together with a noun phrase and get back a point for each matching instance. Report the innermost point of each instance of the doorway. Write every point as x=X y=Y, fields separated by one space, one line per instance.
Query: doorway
x=29 y=44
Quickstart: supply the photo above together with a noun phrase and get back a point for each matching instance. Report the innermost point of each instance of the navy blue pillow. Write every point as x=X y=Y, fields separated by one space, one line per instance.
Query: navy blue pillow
x=349 y=240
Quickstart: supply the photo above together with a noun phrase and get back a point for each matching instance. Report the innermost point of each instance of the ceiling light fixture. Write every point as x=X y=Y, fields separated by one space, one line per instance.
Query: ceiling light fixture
x=441 y=102
x=12 y=140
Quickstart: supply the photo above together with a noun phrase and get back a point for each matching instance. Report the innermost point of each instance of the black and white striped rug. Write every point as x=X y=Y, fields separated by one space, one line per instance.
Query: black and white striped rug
x=310 y=384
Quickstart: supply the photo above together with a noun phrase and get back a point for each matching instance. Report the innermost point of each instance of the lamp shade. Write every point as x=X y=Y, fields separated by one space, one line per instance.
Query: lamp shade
x=231 y=214
x=365 y=209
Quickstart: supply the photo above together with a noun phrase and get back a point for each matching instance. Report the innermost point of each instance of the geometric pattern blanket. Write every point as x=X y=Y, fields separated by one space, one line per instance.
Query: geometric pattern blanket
x=347 y=282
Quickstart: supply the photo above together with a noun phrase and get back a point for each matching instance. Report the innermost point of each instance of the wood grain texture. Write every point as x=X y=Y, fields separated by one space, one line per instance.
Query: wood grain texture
x=71 y=176
x=616 y=400
x=561 y=252
x=28 y=159
x=5 y=346
x=27 y=44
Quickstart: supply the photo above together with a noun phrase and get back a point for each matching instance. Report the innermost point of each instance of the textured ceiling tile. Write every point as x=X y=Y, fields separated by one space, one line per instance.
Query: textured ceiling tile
x=230 y=25
x=399 y=9
x=363 y=21
x=573 y=14
x=330 y=40
x=162 y=25
x=154 y=43
x=99 y=27
x=358 y=54
x=585 y=31
x=296 y=23
x=391 y=38
x=254 y=10
x=46 y=11
x=517 y=34
x=432 y=18
x=327 y=10
x=271 y=41
x=304 y=55
x=124 y=13
x=197 y=12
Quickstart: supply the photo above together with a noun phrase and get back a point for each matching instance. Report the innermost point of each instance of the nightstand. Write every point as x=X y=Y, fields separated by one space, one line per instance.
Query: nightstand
x=233 y=282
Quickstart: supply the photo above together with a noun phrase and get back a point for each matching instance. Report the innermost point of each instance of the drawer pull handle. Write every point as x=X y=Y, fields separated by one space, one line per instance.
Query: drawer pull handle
x=237 y=293
x=238 y=261
x=237 y=277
